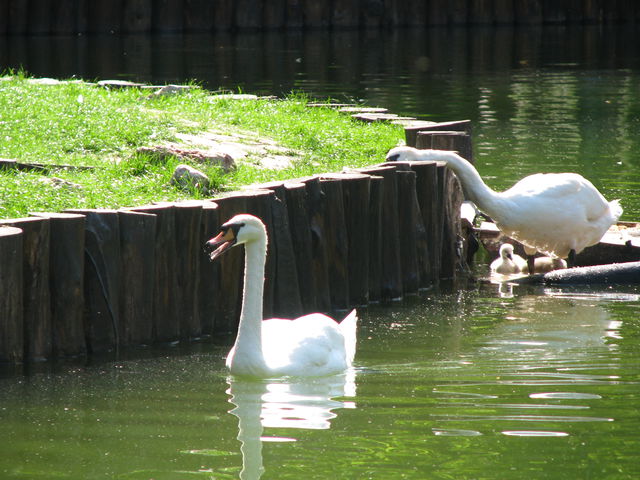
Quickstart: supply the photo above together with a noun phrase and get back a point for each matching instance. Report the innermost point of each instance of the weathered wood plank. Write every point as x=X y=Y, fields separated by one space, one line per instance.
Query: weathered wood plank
x=66 y=274
x=37 y=297
x=138 y=280
x=12 y=345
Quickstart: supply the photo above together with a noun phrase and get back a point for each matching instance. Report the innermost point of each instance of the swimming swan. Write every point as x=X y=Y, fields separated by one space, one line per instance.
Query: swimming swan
x=312 y=345
x=508 y=262
x=558 y=214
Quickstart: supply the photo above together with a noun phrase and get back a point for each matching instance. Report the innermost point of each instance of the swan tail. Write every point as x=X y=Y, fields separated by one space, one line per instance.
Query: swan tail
x=348 y=328
x=616 y=209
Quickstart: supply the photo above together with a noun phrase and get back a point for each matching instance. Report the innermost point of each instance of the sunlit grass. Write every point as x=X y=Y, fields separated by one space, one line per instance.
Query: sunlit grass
x=81 y=124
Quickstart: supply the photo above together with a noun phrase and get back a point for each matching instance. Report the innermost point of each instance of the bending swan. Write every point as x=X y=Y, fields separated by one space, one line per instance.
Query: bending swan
x=312 y=345
x=558 y=214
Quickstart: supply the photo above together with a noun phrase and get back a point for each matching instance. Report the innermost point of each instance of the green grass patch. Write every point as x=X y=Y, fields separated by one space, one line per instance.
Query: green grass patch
x=80 y=124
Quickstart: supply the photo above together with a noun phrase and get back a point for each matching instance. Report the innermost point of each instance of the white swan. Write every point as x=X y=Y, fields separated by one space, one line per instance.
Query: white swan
x=558 y=214
x=508 y=262
x=312 y=345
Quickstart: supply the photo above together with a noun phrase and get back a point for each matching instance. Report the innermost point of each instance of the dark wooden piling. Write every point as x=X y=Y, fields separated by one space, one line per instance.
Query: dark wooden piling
x=356 y=192
x=447 y=140
x=391 y=271
x=138 y=277
x=209 y=286
x=37 y=298
x=427 y=196
x=410 y=226
x=336 y=242
x=315 y=212
x=451 y=198
x=166 y=326
x=11 y=299
x=101 y=279
x=66 y=275
x=301 y=237
x=188 y=260
x=287 y=300
x=376 y=198
x=411 y=131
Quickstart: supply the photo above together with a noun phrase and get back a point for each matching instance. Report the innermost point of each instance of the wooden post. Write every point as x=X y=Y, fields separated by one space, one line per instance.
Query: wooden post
x=137 y=16
x=411 y=132
x=165 y=312
x=138 y=276
x=391 y=277
x=66 y=274
x=188 y=261
x=301 y=237
x=101 y=279
x=37 y=298
x=376 y=197
x=316 y=206
x=209 y=271
x=455 y=141
x=410 y=226
x=336 y=242
x=11 y=301
x=430 y=208
x=287 y=301
x=451 y=196
x=356 y=192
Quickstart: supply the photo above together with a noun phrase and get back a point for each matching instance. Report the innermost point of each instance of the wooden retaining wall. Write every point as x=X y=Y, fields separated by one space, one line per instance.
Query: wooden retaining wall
x=86 y=281
x=115 y=16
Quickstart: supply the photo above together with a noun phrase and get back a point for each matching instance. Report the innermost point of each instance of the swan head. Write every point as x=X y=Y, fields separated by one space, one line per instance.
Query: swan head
x=410 y=154
x=402 y=154
x=506 y=251
x=238 y=230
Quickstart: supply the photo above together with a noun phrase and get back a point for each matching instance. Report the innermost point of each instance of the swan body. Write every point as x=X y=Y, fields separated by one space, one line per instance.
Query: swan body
x=508 y=262
x=553 y=213
x=312 y=345
x=548 y=264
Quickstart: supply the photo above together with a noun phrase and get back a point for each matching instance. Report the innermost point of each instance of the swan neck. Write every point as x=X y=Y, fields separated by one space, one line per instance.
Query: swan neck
x=250 y=327
x=474 y=187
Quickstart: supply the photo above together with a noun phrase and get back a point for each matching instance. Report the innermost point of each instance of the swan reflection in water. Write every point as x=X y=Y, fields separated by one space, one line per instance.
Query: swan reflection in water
x=305 y=403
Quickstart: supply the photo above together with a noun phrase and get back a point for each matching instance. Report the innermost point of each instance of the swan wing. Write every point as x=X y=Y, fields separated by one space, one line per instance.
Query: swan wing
x=555 y=213
x=310 y=345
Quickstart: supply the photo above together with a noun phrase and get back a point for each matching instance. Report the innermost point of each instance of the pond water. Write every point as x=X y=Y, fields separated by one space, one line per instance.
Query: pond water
x=491 y=381
x=483 y=382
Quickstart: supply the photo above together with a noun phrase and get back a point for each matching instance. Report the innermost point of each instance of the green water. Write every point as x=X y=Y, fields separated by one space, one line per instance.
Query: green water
x=487 y=382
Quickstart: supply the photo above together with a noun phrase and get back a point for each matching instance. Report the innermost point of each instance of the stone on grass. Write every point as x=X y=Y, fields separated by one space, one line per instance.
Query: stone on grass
x=187 y=177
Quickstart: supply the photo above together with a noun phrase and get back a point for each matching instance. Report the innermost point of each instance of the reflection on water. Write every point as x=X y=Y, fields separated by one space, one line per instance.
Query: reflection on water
x=304 y=403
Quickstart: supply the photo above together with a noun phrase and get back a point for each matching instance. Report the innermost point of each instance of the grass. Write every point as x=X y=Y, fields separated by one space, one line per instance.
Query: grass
x=80 y=124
